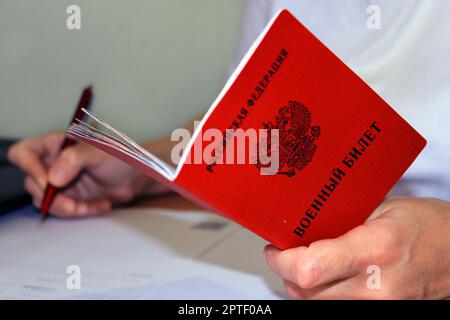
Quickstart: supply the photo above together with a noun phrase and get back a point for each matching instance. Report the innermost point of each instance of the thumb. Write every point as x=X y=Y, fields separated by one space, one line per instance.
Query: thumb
x=68 y=165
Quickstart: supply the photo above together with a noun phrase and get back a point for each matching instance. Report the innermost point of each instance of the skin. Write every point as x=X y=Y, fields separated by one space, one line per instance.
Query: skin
x=83 y=173
x=407 y=238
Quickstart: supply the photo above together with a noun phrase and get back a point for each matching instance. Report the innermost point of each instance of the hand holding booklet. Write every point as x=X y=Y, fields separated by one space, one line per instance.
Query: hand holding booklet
x=340 y=147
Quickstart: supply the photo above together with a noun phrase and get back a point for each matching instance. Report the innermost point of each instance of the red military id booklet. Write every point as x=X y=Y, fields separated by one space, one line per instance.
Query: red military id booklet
x=339 y=147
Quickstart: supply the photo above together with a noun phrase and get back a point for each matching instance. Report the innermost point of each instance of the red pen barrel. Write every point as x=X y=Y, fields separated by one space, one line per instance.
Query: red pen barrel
x=50 y=190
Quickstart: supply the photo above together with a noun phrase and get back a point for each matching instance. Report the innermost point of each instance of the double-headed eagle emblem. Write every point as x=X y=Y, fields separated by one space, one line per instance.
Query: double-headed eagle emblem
x=296 y=138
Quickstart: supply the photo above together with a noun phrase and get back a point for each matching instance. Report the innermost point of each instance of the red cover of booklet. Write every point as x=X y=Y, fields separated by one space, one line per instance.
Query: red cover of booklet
x=341 y=146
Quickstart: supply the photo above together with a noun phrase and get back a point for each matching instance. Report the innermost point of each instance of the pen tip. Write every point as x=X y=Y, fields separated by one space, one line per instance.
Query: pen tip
x=42 y=215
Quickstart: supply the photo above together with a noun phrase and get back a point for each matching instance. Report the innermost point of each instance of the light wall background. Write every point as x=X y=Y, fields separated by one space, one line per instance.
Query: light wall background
x=154 y=64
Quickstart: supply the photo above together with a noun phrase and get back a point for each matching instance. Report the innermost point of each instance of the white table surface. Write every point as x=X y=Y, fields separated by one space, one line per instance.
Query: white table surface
x=165 y=248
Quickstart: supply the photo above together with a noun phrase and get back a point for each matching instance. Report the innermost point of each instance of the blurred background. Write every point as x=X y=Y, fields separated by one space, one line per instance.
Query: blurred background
x=154 y=64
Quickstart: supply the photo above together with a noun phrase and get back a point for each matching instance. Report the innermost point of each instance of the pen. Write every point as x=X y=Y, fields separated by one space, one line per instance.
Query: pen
x=50 y=190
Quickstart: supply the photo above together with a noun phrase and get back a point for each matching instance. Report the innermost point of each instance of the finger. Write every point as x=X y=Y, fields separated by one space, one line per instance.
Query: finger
x=33 y=188
x=293 y=290
x=348 y=289
x=62 y=205
x=336 y=291
x=65 y=206
x=93 y=208
x=62 y=208
x=68 y=165
x=292 y=265
x=323 y=261
x=28 y=159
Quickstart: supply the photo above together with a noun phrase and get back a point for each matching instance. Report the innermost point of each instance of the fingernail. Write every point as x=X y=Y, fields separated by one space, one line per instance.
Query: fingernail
x=82 y=209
